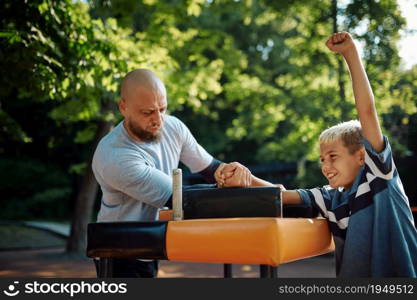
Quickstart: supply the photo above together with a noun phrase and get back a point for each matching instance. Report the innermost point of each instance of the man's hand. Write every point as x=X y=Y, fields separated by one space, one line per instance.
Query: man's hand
x=233 y=175
x=340 y=42
x=219 y=175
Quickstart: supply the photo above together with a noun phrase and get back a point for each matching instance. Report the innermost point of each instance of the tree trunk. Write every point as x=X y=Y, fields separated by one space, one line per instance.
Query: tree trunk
x=85 y=199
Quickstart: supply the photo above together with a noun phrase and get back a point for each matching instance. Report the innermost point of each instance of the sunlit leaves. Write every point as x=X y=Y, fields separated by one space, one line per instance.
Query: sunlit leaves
x=258 y=70
x=85 y=135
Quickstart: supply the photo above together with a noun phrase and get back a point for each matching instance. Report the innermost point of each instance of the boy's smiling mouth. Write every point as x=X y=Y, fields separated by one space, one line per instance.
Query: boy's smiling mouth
x=330 y=176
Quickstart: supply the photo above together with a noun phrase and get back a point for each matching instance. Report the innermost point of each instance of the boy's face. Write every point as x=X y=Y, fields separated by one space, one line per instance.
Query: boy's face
x=338 y=165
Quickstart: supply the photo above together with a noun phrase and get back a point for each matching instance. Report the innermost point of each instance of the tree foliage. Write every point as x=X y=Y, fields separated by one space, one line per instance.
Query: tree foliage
x=251 y=78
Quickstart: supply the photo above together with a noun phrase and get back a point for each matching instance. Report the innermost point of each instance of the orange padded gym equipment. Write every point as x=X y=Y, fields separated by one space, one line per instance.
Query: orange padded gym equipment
x=227 y=226
x=263 y=241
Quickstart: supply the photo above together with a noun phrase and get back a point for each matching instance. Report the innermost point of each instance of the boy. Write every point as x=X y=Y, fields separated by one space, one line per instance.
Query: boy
x=368 y=211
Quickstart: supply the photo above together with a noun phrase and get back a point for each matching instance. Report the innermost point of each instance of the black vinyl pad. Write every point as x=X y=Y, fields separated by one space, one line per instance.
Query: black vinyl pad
x=209 y=202
x=127 y=239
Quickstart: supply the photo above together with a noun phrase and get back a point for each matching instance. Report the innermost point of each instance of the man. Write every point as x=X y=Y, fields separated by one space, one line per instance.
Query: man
x=133 y=163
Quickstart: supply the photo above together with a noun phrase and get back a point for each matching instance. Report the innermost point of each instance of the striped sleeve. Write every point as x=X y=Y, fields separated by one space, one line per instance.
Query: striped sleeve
x=320 y=199
x=317 y=198
x=380 y=164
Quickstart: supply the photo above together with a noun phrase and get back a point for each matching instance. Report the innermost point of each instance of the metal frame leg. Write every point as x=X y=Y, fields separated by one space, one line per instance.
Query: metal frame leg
x=274 y=272
x=227 y=271
x=105 y=268
x=266 y=271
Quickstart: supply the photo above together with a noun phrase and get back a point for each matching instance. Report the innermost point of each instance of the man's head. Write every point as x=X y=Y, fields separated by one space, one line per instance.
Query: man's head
x=342 y=153
x=143 y=104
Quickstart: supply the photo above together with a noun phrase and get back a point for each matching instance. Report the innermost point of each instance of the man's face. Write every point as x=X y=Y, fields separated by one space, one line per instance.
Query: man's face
x=144 y=113
x=338 y=165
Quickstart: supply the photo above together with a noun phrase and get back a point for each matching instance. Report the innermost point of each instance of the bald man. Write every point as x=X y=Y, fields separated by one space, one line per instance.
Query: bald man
x=134 y=161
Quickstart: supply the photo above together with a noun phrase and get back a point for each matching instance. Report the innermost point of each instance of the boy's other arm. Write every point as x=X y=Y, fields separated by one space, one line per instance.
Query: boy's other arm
x=364 y=99
x=288 y=196
x=291 y=197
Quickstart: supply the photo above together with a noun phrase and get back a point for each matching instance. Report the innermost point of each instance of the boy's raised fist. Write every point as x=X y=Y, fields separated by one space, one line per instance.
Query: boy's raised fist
x=340 y=42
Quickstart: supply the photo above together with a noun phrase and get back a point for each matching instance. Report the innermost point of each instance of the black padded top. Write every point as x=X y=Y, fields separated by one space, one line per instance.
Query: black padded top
x=209 y=202
x=127 y=240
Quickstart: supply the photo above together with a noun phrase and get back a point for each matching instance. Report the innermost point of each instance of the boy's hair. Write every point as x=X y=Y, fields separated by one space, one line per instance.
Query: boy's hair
x=350 y=133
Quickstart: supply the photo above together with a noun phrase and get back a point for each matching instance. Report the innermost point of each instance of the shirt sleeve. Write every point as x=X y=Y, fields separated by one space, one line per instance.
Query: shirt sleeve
x=139 y=181
x=208 y=173
x=381 y=164
x=195 y=157
x=319 y=199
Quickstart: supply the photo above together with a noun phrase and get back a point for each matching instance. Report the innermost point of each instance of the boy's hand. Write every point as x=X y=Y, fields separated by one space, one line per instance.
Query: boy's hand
x=340 y=42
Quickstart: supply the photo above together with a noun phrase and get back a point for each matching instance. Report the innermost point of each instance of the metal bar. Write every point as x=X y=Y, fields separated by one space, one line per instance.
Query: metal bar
x=264 y=271
x=227 y=271
x=273 y=272
x=105 y=268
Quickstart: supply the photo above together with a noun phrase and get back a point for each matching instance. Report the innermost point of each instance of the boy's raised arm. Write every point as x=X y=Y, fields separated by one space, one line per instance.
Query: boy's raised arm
x=364 y=99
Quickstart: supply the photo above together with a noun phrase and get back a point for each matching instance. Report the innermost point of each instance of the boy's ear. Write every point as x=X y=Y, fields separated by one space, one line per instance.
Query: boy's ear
x=361 y=154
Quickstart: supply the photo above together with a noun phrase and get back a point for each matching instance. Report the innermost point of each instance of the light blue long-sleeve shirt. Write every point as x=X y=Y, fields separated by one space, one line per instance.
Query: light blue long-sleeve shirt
x=135 y=177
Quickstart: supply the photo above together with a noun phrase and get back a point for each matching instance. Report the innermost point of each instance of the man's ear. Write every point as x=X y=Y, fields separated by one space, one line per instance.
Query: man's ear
x=122 y=106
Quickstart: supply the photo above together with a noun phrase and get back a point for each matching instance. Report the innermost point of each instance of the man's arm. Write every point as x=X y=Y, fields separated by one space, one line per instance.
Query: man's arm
x=209 y=173
x=197 y=159
x=364 y=99
x=139 y=181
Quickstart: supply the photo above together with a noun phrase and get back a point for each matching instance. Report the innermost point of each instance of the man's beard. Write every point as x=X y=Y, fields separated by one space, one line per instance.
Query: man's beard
x=142 y=134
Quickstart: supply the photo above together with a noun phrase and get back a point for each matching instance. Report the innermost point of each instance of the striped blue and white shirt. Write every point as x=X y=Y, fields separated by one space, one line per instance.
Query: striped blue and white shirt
x=371 y=223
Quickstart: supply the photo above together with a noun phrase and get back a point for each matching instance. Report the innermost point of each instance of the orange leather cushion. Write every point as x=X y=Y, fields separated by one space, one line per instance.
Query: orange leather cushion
x=166 y=215
x=270 y=241
x=302 y=238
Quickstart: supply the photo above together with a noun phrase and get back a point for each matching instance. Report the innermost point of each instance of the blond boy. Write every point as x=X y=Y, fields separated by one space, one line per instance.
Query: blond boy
x=368 y=211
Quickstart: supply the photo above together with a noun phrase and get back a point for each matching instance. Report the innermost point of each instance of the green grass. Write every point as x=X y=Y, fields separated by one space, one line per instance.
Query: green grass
x=15 y=236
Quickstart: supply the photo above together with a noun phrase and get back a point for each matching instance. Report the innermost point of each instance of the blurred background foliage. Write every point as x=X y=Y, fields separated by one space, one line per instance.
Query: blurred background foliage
x=251 y=78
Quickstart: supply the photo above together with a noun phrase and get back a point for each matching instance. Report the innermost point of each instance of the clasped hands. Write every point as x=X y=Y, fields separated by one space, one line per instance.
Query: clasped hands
x=233 y=175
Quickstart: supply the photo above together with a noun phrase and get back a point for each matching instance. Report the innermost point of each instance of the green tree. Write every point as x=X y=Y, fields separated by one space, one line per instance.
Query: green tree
x=250 y=75
x=71 y=65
